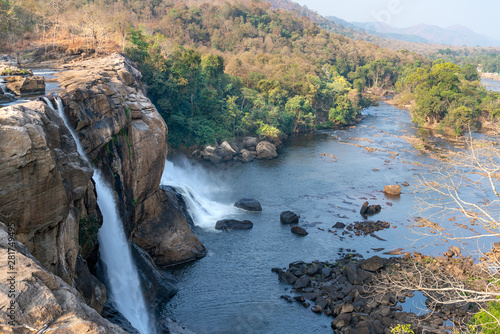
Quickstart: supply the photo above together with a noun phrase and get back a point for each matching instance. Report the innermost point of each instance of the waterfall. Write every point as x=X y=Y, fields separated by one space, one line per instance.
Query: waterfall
x=4 y=90
x=49 y=103
x=121 y=272
x=195 y=186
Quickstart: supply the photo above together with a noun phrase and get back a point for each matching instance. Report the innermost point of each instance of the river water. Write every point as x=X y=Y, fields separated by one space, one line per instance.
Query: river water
x=325 y=177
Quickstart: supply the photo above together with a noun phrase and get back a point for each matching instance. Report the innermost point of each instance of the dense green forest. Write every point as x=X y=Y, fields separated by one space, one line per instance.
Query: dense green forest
x=217 y=70
x=487 y=60
x=448 y=96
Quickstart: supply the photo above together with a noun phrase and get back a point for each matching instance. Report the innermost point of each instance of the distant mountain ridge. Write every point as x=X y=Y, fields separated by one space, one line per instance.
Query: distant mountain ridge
x=424 y=33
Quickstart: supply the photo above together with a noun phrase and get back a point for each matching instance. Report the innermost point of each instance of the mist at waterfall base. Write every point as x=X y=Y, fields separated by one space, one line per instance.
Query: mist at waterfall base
x=120 y=271
x=232 y=290
x=202 y=191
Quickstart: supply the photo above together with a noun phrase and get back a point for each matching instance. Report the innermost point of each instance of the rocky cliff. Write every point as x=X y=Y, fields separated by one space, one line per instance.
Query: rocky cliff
x=48 y=200
x=124 y=135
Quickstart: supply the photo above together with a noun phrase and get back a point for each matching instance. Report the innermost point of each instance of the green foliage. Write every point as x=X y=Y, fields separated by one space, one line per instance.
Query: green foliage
x=252 y=70
x=486 y=321
x=344 y=111
x=87 y=232
x=447 y=95
x=402 y=329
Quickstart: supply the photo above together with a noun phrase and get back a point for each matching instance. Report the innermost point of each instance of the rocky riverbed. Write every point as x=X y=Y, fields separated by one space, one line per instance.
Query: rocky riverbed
x=367 y=296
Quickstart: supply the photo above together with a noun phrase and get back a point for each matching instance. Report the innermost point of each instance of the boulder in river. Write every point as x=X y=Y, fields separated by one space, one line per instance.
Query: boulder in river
x=266 y=150
x=392 y=190
x=210 y=153
x=368 y=209
x=299 y=230
x=250 y=143
x=339 y=225
x=247 y=156
x=233 y=224
x=289 y=217
x=248 y=204
x=31 y=85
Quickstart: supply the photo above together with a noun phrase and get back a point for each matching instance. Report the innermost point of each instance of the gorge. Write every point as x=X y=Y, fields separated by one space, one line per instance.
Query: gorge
x=54 y=195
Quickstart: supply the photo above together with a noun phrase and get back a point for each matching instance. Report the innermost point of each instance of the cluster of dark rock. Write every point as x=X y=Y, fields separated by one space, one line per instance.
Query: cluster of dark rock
x=246 y=149
x=344 y=290
x=250 y=204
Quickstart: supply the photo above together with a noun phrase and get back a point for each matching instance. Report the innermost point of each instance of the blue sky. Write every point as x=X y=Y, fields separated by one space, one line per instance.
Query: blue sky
x=482 y=16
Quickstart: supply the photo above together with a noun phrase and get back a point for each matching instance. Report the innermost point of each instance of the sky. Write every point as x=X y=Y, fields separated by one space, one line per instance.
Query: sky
x=482 y=16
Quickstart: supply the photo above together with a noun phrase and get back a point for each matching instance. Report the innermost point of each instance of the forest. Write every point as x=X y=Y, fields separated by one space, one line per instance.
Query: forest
x=218 y=70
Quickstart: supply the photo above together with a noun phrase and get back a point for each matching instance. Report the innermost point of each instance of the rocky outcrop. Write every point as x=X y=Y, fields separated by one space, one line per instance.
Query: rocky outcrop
x=26 y=85
x=266 y=150
x=39 y=301
x=46 y=186
x=7 y=68
x=233 y=224
x=245 y=150
x=168 y=238
x=248 y=204
x=126 y=138
x=392 y=190
x=289 y=217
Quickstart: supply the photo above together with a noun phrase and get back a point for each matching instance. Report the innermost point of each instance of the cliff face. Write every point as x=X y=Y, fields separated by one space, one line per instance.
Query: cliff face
x=46 y=186
x=42 y=299
x=48 y=199
x=125 y=137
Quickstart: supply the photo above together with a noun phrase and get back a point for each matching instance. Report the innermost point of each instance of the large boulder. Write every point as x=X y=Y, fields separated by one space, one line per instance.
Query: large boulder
x=289 y=217
x=248 y=204
x=211 y=153
x=168 y=238
x=22 y=86
x=392 y=190
x=369 y=210
x=233 y=224
x=250 y=143
x=266 y=150
x=372 y=264
x=298 y=230
x=227 y=149
x=247 y=156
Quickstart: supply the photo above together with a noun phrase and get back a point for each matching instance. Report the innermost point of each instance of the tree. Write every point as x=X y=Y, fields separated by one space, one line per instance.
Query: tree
x=464 y=190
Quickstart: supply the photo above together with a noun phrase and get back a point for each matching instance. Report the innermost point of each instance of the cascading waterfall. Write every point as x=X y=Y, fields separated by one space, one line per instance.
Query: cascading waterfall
x=49 y=103
x=121 y=272
x=194 y=186
x=4 y=90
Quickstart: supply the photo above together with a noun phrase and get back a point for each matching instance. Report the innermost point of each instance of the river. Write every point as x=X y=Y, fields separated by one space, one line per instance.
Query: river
x=232 y=290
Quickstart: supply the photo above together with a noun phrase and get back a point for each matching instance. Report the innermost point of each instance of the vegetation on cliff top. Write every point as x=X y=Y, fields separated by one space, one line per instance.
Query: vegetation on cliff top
x=217 y=70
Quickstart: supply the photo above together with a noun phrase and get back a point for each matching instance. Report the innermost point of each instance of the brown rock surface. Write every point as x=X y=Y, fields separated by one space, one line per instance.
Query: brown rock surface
x=30 y=85
x=45 y=185
x=125 y=136
x=266 y=150
x=168 y=238
x=392 y=190
x=41 y=299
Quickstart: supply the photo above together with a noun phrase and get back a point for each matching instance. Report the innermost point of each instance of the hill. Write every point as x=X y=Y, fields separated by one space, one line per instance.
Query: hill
x=457 y=35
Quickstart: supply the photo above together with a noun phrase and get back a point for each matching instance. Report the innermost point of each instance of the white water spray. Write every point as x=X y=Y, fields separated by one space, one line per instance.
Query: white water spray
x=195 y=187
x=49 y=103
x=121 y=272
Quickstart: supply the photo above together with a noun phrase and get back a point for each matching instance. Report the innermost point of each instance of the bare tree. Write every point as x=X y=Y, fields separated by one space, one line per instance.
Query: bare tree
x=463 y=191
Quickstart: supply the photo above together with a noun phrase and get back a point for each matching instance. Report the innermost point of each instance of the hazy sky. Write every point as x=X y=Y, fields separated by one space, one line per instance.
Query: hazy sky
x=482 y=16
